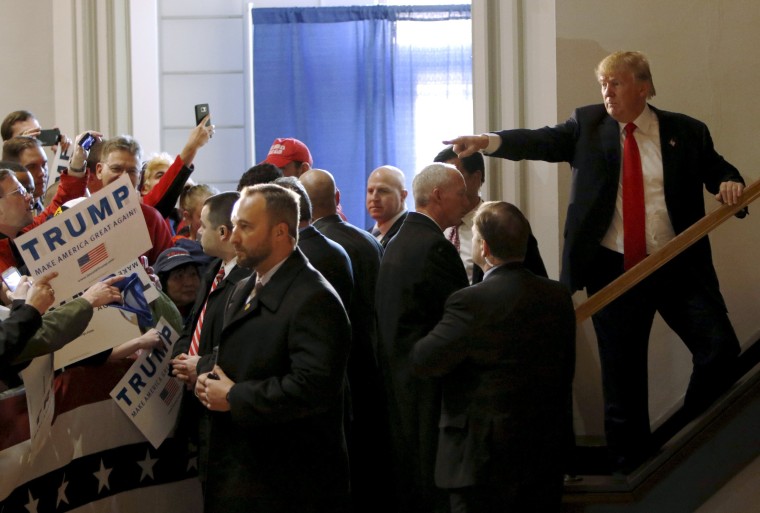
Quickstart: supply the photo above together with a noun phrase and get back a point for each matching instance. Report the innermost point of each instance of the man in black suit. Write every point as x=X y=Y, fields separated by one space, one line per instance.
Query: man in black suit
x=276 y=440
x=677 y=159
x=386 y=195
x=327 y=257
x=505 y=350
x=368 y=438
x=215 y=233
x=199 y=337
x=420 y=268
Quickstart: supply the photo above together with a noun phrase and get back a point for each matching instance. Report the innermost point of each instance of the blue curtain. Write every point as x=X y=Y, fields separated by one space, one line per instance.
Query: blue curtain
x=336 y=79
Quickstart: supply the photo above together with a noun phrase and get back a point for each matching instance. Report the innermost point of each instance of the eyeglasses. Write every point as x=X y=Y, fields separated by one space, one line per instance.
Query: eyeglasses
x=20 y=190
x=119 y=170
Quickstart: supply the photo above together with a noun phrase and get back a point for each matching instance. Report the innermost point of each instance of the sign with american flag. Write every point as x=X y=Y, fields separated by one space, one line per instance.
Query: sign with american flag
x=148 y=394
x=96 y=237
x=169 y=391
x=92 y=258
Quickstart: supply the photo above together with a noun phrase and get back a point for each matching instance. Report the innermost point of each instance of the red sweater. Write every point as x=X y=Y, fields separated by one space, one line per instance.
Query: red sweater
x=70 y=188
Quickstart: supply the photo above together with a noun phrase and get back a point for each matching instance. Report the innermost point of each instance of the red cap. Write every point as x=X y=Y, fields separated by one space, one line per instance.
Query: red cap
x=286 y=150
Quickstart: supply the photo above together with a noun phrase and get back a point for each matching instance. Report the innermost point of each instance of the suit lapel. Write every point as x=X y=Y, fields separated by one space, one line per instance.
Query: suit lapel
x=208 y=278
x=610 y=135
x=670 y=149
x=270 y=296
x=236 y=302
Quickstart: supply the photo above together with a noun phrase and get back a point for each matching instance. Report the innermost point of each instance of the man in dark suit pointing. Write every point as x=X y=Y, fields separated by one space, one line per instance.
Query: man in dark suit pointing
x=505 y=350
x=628 y=156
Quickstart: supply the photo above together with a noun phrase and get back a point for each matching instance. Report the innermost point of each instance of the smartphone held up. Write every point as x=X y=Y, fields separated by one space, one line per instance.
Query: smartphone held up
x=201 y=111
x=49 y=137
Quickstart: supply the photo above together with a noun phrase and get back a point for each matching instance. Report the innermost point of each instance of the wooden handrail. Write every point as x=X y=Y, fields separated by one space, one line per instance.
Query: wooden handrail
x=663 y=255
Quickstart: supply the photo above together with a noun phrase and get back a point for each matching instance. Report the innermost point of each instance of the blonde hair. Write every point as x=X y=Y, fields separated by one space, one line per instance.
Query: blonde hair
x=155 y=162
x=636 y=62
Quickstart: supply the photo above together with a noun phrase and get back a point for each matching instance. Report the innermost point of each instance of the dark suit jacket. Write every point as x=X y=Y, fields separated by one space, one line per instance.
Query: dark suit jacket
x=286 y=353
x=395 y=227
x=505 y=350
x=212 y=322
x=590 y=142
x=330 y=259
x=420 y=268
x=368 y=440
x=192 y=422
x=365 y=254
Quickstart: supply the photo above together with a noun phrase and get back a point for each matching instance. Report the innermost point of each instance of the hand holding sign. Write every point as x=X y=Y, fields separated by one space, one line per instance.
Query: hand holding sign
x=103 y=292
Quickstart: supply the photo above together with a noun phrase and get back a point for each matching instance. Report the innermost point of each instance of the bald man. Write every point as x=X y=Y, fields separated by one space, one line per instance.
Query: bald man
x=385 y=202
x=420 y=269
x=368 y=440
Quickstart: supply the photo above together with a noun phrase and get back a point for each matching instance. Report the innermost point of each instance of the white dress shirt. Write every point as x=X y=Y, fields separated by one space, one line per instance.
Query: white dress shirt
x=659 y=229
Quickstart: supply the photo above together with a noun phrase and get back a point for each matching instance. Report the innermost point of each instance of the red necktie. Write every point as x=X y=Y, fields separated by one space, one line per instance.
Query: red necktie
x=454 y=237
x=197 y=333
x=634 y=213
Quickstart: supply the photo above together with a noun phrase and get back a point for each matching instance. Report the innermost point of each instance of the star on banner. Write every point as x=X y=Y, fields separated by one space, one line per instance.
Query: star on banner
x=62 y=492
x=31 y=506
x=77 y=449
x=147 y=466
x=102 y=476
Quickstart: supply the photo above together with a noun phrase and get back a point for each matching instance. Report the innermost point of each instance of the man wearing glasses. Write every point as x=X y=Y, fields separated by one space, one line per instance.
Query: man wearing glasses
x=17 y=210
x=121 y=155
x=28 y=152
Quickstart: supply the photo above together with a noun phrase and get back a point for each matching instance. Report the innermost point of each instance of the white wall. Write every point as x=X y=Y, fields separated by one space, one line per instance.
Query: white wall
x=202 y=59
x=26 y=38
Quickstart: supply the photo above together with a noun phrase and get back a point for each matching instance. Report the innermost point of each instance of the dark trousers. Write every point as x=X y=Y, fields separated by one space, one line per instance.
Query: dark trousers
x=687 y=296
x=279 y=505
x=508 y=497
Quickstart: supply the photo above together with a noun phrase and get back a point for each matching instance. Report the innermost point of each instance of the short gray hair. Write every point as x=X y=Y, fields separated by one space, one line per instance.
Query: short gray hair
x=432 y=176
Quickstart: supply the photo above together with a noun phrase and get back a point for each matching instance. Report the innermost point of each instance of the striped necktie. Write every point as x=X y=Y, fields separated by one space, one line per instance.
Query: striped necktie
x=197 y=333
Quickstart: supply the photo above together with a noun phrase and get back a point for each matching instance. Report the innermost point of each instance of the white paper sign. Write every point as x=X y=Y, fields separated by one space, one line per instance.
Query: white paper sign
x=60 y=164
x=40 y=399
x=98 y=236
x=148 y=394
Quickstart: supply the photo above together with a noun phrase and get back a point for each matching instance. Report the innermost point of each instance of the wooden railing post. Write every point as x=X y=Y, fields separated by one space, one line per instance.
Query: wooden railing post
x=660 y=257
